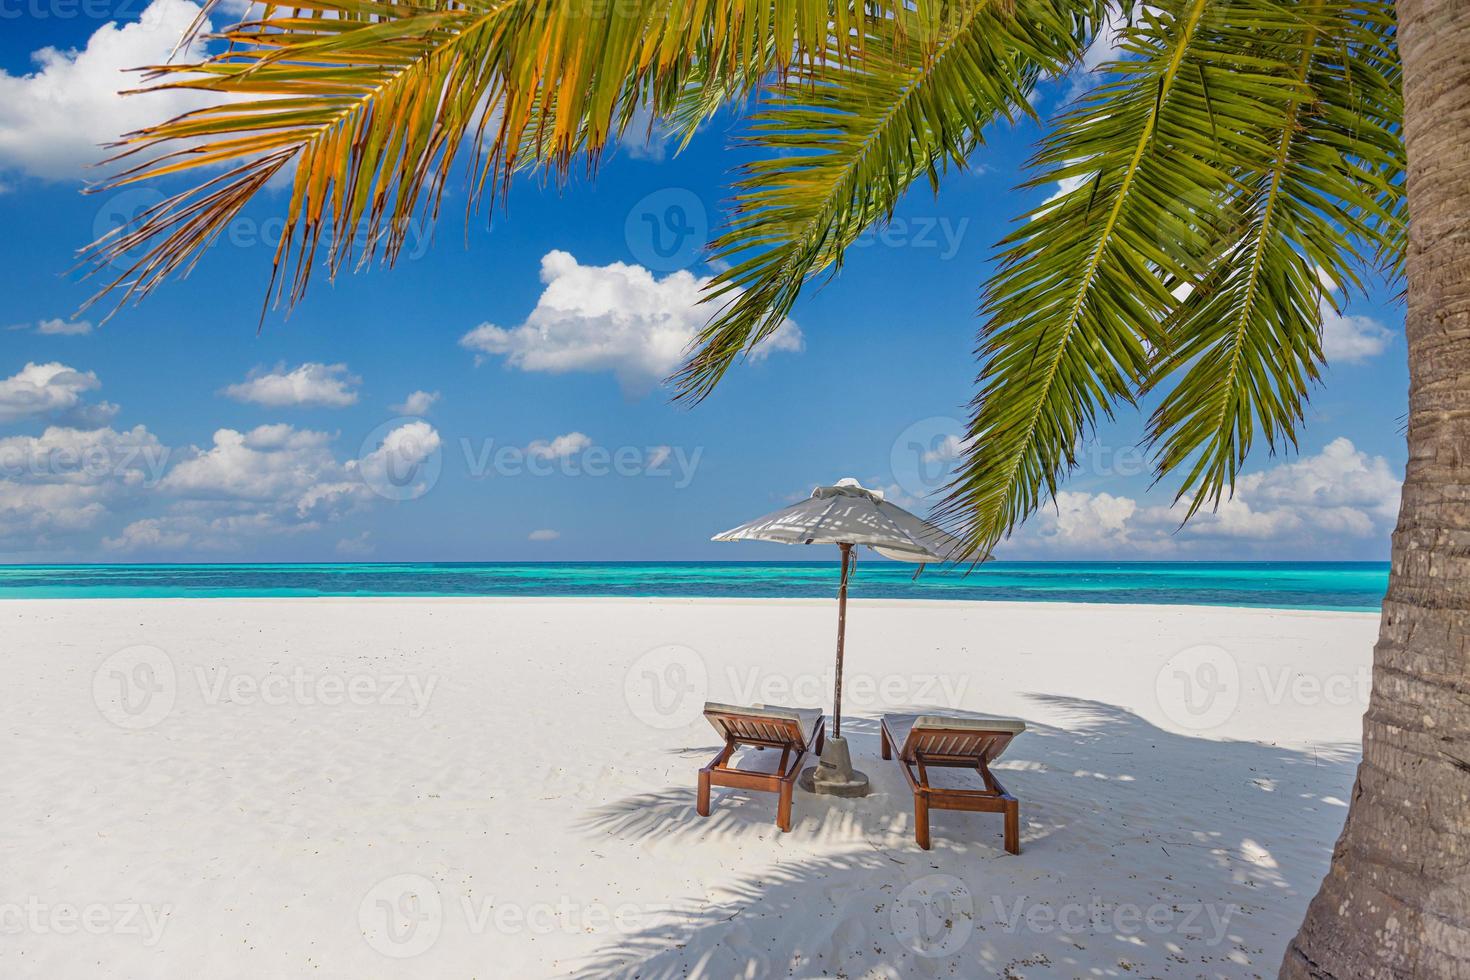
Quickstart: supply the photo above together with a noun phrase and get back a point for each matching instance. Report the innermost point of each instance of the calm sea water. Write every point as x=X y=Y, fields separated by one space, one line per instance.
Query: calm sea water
x=1306 y=585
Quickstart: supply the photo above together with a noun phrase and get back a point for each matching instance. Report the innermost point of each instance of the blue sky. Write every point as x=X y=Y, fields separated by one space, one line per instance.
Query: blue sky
x=179 y=431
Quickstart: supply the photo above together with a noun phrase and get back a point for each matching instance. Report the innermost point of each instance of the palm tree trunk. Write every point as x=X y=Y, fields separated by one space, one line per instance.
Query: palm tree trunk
x=1396 y=901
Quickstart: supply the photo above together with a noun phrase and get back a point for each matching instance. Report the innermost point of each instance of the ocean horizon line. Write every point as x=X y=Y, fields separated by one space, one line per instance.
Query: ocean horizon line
x=687 y=561
x=1322 y=585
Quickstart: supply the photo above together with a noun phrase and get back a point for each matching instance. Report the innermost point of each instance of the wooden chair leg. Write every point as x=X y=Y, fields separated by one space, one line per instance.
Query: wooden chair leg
x=1013 y=827
x=990 y=784
x=921 y=820
x=783 y=808
x=821 y=737
x=886 y=749
x=702 y=803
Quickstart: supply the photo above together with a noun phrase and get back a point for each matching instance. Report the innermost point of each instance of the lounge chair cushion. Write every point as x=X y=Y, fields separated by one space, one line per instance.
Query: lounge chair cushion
x=970 y=721
x=805 y=718
x=899 y=726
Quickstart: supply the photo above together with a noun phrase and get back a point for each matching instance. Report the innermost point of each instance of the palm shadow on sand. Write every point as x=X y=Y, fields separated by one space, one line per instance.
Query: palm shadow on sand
x=1221 y=843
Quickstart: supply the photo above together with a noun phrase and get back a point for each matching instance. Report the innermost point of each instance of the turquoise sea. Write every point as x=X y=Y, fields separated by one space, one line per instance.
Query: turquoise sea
x=1284 y=585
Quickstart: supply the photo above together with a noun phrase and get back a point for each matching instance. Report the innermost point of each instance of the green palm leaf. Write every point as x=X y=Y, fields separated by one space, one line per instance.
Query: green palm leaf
x=1237 y=154
x=370 y=103
x=1246 y=344
x=1074 y=309
x=1239 y=146
x=847 y=140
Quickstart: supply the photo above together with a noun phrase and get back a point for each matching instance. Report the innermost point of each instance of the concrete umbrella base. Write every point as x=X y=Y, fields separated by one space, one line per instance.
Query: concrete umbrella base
x=834 y=775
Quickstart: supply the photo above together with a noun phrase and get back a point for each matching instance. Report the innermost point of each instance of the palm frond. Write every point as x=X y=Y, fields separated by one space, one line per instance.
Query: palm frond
x=1243 y=152
x=371 y=103
x=846 y=138
x=1073 y=311
x=1245 y=346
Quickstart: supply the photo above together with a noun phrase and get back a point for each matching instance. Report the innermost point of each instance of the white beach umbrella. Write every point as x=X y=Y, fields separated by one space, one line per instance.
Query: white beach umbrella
x=847 y=515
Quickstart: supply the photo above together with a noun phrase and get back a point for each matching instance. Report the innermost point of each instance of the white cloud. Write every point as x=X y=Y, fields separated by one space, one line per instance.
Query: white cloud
x=358 y=546
x=1082 y=520
x=51 y=389
x=66 y=480
x=393 y=468
x=53 y=120
x=543 y=534
x=1067 y=185
x=949 y=448
x=1105 y=47
x=60 y=327
x=1340 y=476
x=785 y=339
x=618 y=318
x=1348 y=339
x=1341 y=492
x=62 y=454
x=270 y=480
x=417 y=403
x=327 y=385
x=31 y=513
x=191 y=530
x=150 y=534
x=1310 y=506
x=892 y=492
x=294 y=471
x=270 y=462
x=644 y=138
x=1237 y=517
x=273 y=480
x=560 y=447
x=1352 y=339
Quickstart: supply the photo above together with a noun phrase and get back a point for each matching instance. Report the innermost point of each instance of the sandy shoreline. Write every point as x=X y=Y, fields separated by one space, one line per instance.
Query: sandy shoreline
x=468 y=787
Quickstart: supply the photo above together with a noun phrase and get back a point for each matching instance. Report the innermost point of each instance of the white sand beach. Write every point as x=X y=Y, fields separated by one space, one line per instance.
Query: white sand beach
x=505 y=788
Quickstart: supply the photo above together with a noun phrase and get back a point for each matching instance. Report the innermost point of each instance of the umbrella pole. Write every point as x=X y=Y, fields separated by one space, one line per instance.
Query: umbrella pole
x=841 y=638
x=833 y=775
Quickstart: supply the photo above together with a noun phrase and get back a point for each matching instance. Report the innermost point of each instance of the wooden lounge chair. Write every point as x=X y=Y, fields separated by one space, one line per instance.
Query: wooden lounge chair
x=792 y=730
x=957 y=741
